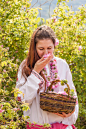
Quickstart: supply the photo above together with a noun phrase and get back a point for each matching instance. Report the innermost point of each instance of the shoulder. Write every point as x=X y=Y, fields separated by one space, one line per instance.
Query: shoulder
x=61 y=63
x=60 y=60
x=22 y=65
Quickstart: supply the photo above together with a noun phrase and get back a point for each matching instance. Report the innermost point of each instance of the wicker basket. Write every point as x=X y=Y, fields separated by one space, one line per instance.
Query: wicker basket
x=53 y=102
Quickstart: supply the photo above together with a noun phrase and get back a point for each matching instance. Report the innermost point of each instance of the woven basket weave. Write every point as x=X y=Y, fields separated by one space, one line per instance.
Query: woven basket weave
x=53 y=102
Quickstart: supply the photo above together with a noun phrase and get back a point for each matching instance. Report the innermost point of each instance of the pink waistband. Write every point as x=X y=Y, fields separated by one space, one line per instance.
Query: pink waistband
x=53 y=126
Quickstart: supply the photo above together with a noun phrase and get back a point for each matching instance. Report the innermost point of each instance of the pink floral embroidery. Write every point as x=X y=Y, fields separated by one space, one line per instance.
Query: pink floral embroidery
x=53 y=73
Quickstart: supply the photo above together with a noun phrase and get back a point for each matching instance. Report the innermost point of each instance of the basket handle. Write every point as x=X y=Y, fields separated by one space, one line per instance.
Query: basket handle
x=50 y=87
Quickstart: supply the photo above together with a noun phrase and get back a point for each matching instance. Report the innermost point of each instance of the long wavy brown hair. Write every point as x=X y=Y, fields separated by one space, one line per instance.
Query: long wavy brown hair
x=42 y=32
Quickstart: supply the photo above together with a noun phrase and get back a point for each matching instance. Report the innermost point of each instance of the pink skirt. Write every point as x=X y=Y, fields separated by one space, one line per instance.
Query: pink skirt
x=53 y=126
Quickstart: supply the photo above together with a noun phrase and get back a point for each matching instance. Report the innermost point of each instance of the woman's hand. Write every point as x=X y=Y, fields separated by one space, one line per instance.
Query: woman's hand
x=41 y=63
x=64 y=114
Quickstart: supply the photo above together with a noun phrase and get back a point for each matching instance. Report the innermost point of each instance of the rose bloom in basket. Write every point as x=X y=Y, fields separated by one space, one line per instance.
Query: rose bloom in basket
x=35 y=76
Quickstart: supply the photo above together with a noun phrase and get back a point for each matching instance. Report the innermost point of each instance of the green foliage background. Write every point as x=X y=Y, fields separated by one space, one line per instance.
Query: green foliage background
x=17 y=23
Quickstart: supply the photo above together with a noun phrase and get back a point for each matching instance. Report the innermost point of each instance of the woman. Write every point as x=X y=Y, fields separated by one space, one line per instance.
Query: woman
x=31 y=79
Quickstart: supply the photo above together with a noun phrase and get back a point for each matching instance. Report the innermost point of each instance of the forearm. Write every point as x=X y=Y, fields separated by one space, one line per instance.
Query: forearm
x=30 y=87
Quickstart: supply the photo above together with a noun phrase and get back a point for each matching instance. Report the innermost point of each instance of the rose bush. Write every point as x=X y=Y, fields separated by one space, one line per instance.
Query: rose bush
x=17 y=23
x=11 y=111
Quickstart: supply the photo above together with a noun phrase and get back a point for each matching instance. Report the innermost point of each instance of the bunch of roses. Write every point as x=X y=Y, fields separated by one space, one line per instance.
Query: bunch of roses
x=53 y=73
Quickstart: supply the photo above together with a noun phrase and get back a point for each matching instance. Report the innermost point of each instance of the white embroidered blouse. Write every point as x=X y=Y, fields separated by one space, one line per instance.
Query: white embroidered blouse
x=30 y=87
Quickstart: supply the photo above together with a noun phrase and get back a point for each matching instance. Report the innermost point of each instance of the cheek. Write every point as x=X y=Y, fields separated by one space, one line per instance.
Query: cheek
x=40 y=53
x=51 y=51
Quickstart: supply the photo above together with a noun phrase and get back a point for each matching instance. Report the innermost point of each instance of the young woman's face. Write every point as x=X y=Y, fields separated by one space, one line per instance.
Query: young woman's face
x=44 y=46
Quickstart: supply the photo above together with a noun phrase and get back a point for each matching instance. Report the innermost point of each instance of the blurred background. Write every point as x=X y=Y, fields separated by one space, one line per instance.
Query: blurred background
x=49 y=5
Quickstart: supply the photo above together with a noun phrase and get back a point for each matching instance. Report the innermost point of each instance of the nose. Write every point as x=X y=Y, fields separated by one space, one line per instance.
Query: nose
x=46 y=52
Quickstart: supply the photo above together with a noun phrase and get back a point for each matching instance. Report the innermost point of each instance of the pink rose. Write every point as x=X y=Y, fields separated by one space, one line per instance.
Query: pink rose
x=17 y=60
x=44 y=68
x=74 y=24
x=56 y=85
x=1 y=106
x=74 y=97
x=1 y=110
x=15 y=109
x=54 y=70
x=48 y=84
x=54 y=19
x=7 y=48
x=46 y=55
x=54 y=63
x=58 y=77
x=80 y=48
x=57 y=42
x=53 y=87
x=1 y=45
x=51 y=64
x=53 y=67
x=60 y=28
x=4 y=70
x=63 y=93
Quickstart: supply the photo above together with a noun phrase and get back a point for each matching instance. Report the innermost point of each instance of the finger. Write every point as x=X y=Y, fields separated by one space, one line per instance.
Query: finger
x=65 y=115
x=69 y=114
x=59 y=114
x=41 y=59
x=73 y=111
x=48 y=59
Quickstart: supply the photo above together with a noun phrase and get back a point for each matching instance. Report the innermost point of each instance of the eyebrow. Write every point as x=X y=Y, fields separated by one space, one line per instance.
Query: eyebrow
x=43 y=47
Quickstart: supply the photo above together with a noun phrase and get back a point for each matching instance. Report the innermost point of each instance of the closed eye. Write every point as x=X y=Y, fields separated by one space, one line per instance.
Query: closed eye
x=41 y=49
x=49 y=48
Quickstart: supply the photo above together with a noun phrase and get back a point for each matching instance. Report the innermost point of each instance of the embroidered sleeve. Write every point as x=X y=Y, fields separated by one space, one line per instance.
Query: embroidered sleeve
x=39 y=77
x=30 y=86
